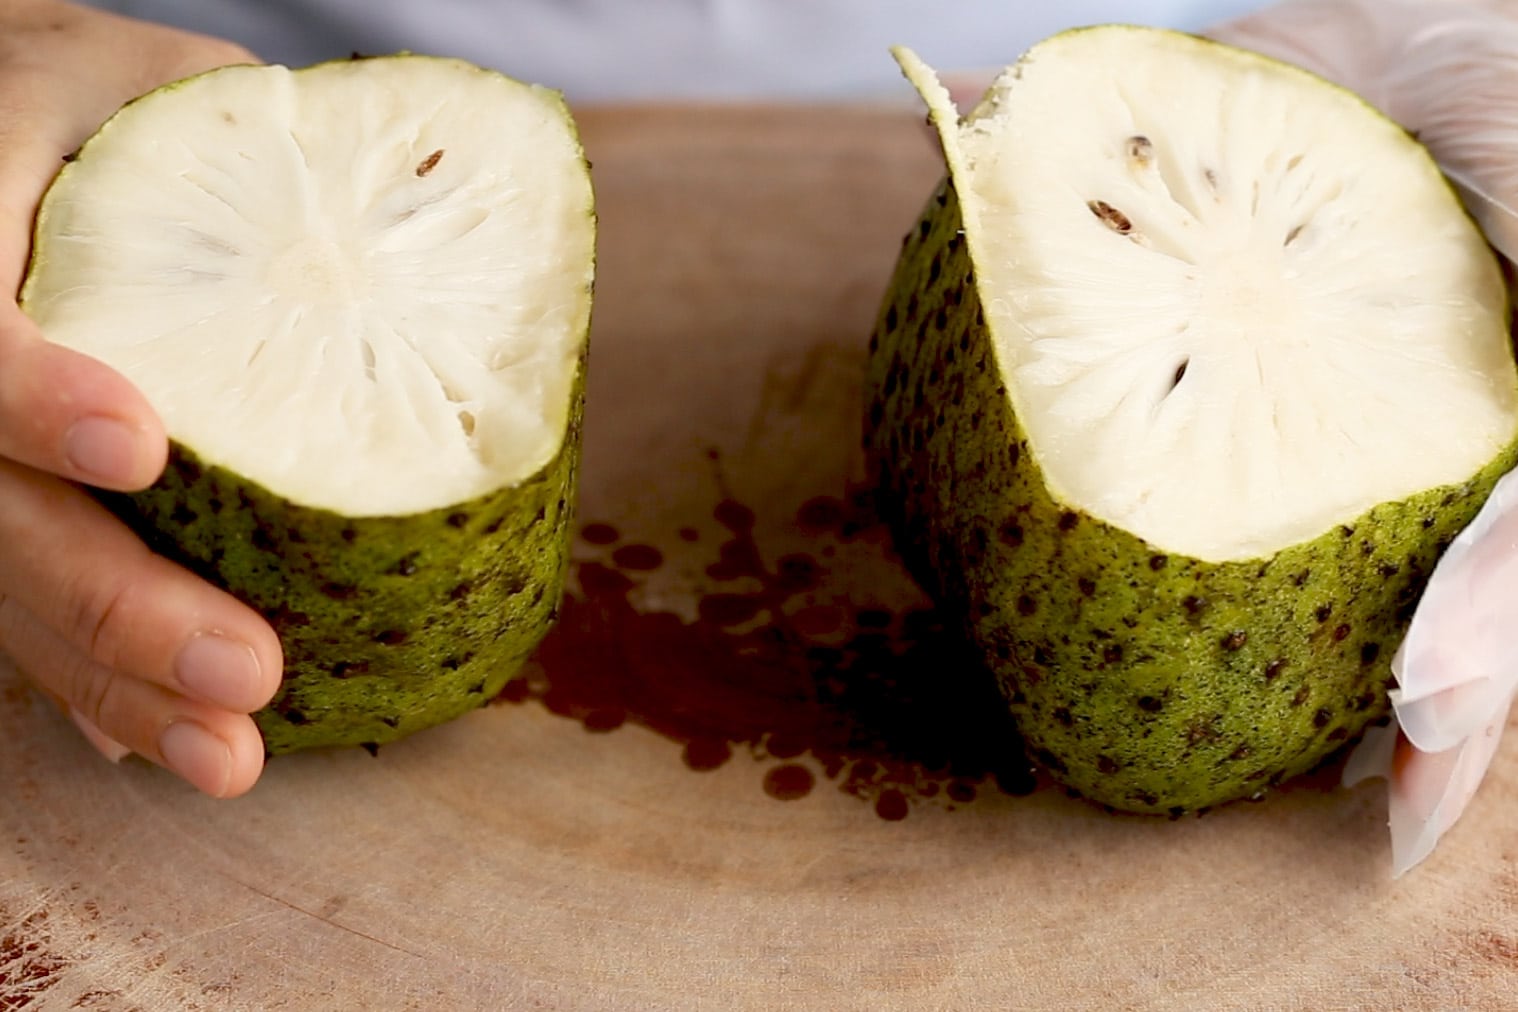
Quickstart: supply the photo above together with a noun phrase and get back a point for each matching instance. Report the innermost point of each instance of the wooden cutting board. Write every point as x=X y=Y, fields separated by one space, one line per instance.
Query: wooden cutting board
x=747 y=770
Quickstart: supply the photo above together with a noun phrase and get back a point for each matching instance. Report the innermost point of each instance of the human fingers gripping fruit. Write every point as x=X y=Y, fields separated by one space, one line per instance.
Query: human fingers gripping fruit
x=358 y=295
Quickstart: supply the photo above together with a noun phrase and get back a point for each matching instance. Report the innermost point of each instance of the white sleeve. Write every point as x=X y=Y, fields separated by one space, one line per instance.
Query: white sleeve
x=666 y=49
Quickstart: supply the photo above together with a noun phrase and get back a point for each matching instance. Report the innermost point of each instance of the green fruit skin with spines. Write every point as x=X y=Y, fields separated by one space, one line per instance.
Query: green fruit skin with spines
x=1147 y=681
x=389 y=624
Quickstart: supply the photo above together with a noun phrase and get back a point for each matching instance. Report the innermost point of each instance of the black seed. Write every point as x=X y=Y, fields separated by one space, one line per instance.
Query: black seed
x=1321 y=718
x=1301 y=578
x=941 y=319
x=458 y=519
x=182 y=515
x=1158 y=562
x=460 y=591
x=935 y=268
x=1273 y=669
x=1242 y=752
x=1145 y=798
x=1106 y=764
x=263 y=540
x=339 y=591
x=1113 y=654
x=1086 y=586
x=451 y=664
x=1068 y=521
x=1301 y=696
x=1180 y=374
x=349 y=669
x=495 y=525
x=406 y=566
x=1194 y=605
x=923 y=228
x=1235 y=640
x=390 y=637
x=1369 y=652
x=1341 y=633
x=891 y=318
x=1026 y=606
x=1149 y=704
x=349 y=535
x=293 y=716
x=1323 y=612
x=1042 y=656
x=1388 y=570
x=1062 y=715
x=1365 y=701
x=389 y=721
x=1337 y=734
x=215 y=504
x=540 y=515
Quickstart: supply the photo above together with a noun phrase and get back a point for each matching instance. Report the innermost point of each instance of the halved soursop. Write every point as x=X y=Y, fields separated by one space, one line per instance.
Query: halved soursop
x=359 y=296
x=1190 y=370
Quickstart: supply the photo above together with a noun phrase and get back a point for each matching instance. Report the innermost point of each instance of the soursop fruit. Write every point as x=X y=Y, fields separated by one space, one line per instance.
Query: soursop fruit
x=359 y=296
x=1189 y=371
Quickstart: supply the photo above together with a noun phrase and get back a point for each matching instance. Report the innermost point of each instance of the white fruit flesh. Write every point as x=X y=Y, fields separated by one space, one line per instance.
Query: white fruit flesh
x=364 y=285
x=1233 y=306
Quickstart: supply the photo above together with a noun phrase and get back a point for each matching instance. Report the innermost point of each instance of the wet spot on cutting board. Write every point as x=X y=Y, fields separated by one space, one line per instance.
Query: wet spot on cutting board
x=884 y=704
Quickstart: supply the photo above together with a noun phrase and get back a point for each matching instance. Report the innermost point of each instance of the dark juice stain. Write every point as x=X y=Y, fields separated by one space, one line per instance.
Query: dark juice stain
x=891 y=805
x=788 y=782
x=889 y=705
x=28 y=970
x=600 y=534
x=641 y=558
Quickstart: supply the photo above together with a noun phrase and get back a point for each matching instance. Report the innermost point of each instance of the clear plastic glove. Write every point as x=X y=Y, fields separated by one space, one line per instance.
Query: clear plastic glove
x=1447 y=70
x=144 y=656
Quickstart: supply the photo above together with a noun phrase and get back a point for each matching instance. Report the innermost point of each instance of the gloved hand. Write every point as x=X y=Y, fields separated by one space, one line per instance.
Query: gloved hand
x=1447 y=70
x=145 y=657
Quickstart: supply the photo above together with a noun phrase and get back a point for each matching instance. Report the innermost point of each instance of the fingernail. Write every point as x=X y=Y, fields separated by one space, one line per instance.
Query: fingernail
x=104 y=744
x=102 y=449
x=197 y=755
x=219 y=670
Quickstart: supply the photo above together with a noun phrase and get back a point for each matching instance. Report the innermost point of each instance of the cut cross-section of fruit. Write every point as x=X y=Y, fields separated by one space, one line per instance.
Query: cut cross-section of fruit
x=1191 y=369
x=358 y=294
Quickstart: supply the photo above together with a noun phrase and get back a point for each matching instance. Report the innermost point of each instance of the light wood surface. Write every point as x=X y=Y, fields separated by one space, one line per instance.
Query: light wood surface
x=560 y=851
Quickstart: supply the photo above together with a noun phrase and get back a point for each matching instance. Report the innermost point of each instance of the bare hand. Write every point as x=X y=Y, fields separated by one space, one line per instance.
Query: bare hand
x=146 y=657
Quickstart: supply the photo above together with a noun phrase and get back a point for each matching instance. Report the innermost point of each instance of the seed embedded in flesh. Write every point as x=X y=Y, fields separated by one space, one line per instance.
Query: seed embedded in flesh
x=1111 y=216
x=1140 y=151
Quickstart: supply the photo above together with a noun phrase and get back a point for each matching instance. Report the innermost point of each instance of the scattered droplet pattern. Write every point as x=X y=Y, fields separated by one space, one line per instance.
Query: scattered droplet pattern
x=886 y=704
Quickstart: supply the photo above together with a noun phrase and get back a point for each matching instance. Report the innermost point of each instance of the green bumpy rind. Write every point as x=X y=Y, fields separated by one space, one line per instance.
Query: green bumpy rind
x=1148 y=682
x=389 y=624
